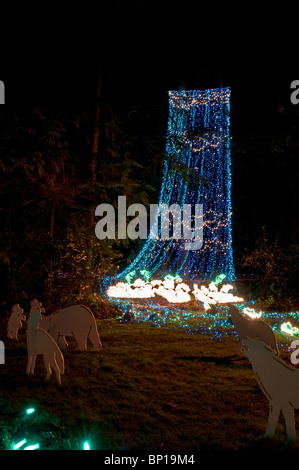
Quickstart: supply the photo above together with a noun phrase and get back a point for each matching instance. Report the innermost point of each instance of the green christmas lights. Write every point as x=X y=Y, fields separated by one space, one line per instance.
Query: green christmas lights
x=170 y=277
x=219 y=279
x=31 y=433
x=289 y=329
x=19 y=444
x=146 y=275
x=32 y=447
x=130 y=276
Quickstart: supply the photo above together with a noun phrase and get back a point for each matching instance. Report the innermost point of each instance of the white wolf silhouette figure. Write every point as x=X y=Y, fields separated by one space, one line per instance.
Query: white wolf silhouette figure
x=252 y=328
x=280 y=383
x=15 y=321
x=40 y=342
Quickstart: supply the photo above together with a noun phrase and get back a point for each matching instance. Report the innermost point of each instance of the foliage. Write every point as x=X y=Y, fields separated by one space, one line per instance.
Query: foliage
x=125 y=156
x=265 y=169
x=47 y=197
x=36 y=169
x=277 y=269
x=75 y=279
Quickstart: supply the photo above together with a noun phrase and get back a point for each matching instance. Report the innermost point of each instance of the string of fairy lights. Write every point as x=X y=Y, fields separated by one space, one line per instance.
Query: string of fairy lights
x=196 y=172
x=35 y=430
x=214 y=323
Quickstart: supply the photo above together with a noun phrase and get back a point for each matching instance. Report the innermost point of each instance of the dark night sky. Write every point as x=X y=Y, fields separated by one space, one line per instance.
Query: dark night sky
x=145 y=50
x=144 y=74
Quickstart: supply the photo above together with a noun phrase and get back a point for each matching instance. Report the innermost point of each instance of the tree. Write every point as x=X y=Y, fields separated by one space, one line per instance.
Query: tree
x=48 y=194
x=37 y=174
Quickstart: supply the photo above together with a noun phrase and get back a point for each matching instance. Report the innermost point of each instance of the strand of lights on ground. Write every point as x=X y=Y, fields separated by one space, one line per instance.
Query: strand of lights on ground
x=204 y=320
x=216 y=324
x=20 y=444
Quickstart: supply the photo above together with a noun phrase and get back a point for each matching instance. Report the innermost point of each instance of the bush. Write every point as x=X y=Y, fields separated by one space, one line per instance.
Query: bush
x=277 y=272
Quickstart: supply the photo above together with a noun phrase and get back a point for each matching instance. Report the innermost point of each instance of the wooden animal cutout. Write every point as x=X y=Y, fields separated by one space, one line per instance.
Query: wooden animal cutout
x=252 y=328
x=40 y=342
x=280 y=383
x=34 y=306
x=76 y=321
x=15 y=321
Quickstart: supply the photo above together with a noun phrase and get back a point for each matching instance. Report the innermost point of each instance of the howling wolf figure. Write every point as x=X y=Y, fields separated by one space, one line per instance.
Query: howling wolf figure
x=280 y=383
x=252 y=328
x=40 y=342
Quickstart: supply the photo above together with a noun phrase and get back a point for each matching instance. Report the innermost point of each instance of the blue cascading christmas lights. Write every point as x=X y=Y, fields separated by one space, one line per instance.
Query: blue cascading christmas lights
x=196 y=171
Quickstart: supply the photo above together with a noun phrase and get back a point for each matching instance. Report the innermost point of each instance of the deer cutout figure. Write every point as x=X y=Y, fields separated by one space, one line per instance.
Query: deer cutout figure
x=40 y=342
x=252 y=328
x=15 y=321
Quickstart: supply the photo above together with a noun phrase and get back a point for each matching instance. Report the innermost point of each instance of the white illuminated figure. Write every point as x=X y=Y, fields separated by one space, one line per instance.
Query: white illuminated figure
x=202 y=295
x=175 y=291
x=252 y=313
x=289 y=329
x=226 y=288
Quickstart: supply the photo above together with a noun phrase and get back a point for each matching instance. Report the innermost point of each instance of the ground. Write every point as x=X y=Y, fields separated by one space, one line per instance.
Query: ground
x=152 y=387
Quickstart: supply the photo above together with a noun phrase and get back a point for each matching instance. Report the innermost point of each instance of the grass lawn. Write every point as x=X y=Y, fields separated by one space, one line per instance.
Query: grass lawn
x=150 y=388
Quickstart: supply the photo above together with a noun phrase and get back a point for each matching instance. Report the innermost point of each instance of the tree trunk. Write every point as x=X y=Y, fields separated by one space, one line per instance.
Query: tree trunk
x=52 y=222
x=95 y=139
x=93 y=163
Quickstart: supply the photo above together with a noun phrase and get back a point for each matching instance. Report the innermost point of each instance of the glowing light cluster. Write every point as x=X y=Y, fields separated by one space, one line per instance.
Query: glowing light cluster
x=289 y=329
x=20 y=444
x=214 y=322
x=211 y=295
x=196 y=171
x=175 y=291
x=252 y=313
